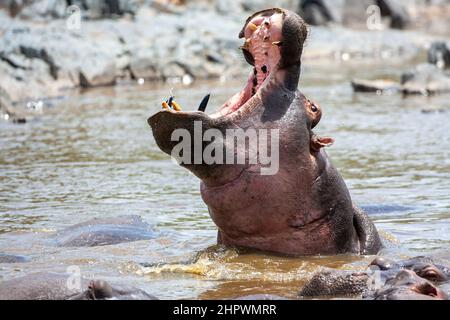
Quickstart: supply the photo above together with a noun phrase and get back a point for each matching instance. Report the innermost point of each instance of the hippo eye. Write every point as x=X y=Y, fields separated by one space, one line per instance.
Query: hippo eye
x=314 y=108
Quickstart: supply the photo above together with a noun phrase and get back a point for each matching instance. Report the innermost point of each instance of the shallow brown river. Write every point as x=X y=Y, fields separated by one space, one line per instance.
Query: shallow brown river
x=93 y=155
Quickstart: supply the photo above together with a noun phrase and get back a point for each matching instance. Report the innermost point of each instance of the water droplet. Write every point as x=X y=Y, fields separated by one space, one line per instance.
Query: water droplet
x=345 y=56
x=187 y=80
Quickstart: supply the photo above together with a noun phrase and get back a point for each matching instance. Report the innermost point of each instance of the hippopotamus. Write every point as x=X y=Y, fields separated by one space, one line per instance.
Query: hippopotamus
x=53 y=286
x=105 y=231
x=12 y=258
x=413 y=279
x=301 y=208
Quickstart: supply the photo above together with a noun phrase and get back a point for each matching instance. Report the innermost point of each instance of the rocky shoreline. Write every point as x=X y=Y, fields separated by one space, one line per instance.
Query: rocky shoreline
x=42 y=56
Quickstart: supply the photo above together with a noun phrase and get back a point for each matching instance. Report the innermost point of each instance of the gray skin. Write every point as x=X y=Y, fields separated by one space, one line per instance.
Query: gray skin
x=105 y=231
x=415 y=278
x=10 y=258
x=407 y=285
x=305 y=208
x=53 y=286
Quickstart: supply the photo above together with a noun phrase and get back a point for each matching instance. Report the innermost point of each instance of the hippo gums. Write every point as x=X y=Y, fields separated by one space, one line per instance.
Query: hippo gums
x=301 y=208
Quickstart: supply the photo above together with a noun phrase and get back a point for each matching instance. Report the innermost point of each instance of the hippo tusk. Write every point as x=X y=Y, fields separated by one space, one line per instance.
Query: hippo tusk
x=252 y=26
x=175 y=106
x=204 y=103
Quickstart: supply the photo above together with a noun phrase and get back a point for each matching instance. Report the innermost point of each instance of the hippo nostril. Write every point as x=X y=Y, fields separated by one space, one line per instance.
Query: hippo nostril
x=427 y=289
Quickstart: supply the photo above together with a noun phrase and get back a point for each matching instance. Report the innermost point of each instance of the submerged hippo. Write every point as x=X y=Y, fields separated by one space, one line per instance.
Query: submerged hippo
x=105 y=231
x=413 y=279
x=11 y=258
x=304 y=207
x=54 y=286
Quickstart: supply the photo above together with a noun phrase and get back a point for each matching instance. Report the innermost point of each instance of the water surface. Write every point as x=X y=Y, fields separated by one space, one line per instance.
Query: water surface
x=92 y=155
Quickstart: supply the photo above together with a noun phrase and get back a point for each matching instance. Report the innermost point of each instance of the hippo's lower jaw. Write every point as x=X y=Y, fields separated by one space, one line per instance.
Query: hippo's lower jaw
x=303 y=206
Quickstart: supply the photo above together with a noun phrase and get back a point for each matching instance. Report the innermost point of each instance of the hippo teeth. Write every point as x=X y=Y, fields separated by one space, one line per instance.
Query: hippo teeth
x=204 y=103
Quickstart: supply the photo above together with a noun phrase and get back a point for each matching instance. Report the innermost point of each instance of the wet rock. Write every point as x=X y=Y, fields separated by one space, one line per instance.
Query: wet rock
x=56 y=286
x=378 y=86
x=10 y=258
x=353 y=13
x=105 y=231
x=425 y=79
x=439 y=54
x=143 y=65
x=90 y=9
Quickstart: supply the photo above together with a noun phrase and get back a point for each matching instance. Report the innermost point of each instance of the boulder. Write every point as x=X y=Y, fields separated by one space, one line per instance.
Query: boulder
x=353 y=13
x=439 y=54
x=425 y=79
x=378 y=86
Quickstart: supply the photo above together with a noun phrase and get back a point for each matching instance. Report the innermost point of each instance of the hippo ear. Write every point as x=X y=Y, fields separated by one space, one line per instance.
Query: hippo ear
x=319 y=142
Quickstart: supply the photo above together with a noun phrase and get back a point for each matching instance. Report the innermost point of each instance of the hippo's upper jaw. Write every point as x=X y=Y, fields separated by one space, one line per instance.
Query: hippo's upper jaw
x=273 y=45
x=301 y=206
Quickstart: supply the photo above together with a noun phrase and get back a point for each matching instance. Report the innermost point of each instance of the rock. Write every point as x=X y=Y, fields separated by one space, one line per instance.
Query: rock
x=10 y=258
x=378 y=86
x=143 y=64
x=352 y=13
x=425 y=79
x=335 y=283
x=257 y=5
x=439 y=54
x=105 y=231
x=90 y=9
x=397 y=12
x=432 y=110
x=94 y=73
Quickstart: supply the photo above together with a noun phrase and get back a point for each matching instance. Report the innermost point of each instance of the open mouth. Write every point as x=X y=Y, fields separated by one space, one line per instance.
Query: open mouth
x=262 y=41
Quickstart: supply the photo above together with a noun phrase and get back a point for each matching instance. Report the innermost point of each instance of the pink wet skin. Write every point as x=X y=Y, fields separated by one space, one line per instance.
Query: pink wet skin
x=305 y=207
x=261 y=42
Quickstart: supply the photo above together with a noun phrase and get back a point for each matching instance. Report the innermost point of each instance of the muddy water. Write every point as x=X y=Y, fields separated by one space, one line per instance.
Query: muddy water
x=93 y=155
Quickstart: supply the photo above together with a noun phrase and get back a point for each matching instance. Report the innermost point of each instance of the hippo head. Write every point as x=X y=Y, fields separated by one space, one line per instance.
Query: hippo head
x=407 y=285
x=277 y=167
x=273 y=46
